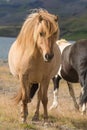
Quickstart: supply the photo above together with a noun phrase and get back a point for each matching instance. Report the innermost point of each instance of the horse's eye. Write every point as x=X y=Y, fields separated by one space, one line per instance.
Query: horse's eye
x=41 y=34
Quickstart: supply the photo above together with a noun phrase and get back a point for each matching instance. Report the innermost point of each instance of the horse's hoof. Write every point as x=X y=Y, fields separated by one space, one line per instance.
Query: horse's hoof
x=35 y=118
x=77 y=107
x=54 y=106
x=23 y=121
x=46 y=124
x=83 y=113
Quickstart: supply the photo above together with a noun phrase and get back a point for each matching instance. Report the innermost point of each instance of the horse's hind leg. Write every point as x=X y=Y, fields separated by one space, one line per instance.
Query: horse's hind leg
x=44 y=98
x=83 y=106
x=83 y=109
x=25 y=97
x=71 y=91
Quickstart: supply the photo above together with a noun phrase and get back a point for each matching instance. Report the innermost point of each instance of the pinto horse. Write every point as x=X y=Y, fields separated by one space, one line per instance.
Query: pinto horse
x=35 y=58
x=74 y=67
x=62 y=43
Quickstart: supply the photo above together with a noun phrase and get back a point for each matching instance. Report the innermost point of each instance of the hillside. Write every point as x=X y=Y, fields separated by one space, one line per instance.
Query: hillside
x=72 y=15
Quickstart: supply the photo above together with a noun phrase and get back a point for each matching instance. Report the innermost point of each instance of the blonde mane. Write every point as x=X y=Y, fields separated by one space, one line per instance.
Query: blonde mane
x=28 y=35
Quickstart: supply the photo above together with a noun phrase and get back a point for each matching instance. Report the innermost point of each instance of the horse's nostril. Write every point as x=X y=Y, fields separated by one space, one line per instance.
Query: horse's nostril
x=49 y=56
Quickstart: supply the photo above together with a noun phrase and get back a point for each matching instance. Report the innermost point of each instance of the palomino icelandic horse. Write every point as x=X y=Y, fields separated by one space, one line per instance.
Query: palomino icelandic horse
x=62 y=43
x=35 y=58
x=74 y=67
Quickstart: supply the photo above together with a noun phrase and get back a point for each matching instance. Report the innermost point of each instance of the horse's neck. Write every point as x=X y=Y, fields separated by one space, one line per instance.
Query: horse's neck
x=63 y=45
x=36 y=57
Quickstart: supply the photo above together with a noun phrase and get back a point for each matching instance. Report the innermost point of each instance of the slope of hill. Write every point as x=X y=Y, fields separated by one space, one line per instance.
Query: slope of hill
x=72 y=15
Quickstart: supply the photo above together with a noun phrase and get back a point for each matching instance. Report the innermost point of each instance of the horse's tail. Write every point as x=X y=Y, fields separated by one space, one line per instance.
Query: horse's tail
x=16 y=99
x=83 y=96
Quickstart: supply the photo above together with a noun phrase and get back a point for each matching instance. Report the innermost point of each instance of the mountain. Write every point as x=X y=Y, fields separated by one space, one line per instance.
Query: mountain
x=72 y=15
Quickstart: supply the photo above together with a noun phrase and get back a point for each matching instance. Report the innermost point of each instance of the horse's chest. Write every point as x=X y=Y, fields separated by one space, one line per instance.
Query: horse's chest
x=36 y=74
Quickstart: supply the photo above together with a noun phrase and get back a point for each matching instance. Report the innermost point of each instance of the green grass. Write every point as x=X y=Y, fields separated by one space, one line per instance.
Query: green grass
x=76 y=35
x=74 y=28
x=28 y=126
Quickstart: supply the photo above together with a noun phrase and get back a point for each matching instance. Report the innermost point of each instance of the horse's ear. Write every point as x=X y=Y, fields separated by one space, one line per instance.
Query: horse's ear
x=40 y=18
x=56 y=19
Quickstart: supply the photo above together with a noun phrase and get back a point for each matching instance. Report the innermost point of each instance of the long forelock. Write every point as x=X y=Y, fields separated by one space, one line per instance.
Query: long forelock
x=49 y=27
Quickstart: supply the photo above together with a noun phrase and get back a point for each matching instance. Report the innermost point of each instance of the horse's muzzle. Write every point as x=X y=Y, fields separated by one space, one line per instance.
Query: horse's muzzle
x=48 y=57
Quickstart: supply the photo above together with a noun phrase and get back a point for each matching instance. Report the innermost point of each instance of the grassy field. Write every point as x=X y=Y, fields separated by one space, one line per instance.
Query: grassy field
x=74 y=28
x=64 y=117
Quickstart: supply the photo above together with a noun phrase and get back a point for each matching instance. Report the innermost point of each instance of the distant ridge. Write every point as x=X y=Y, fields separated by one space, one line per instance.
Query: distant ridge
x=14 y=12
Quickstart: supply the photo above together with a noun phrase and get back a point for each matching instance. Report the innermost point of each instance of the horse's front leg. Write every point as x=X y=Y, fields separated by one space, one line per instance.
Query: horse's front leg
x=44 y=98
x=71 y=91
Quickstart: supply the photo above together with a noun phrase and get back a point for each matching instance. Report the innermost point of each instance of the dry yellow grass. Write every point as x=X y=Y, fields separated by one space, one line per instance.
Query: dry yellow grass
x=64 y=117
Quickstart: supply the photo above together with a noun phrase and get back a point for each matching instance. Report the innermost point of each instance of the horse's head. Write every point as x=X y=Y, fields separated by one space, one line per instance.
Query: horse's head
x=39 y=32
x=45 y=35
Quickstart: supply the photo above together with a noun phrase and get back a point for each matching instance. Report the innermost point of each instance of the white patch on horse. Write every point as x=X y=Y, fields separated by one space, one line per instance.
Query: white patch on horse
x=82 y=90
x=83 y=109
x=55 y=100
x=59 y=72
x=44 y=57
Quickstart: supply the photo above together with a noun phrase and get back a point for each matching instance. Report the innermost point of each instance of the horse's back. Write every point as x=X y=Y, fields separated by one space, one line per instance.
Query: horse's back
x=79 y=56
x=79 y=49
x=78 y=53
x=74 y=59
